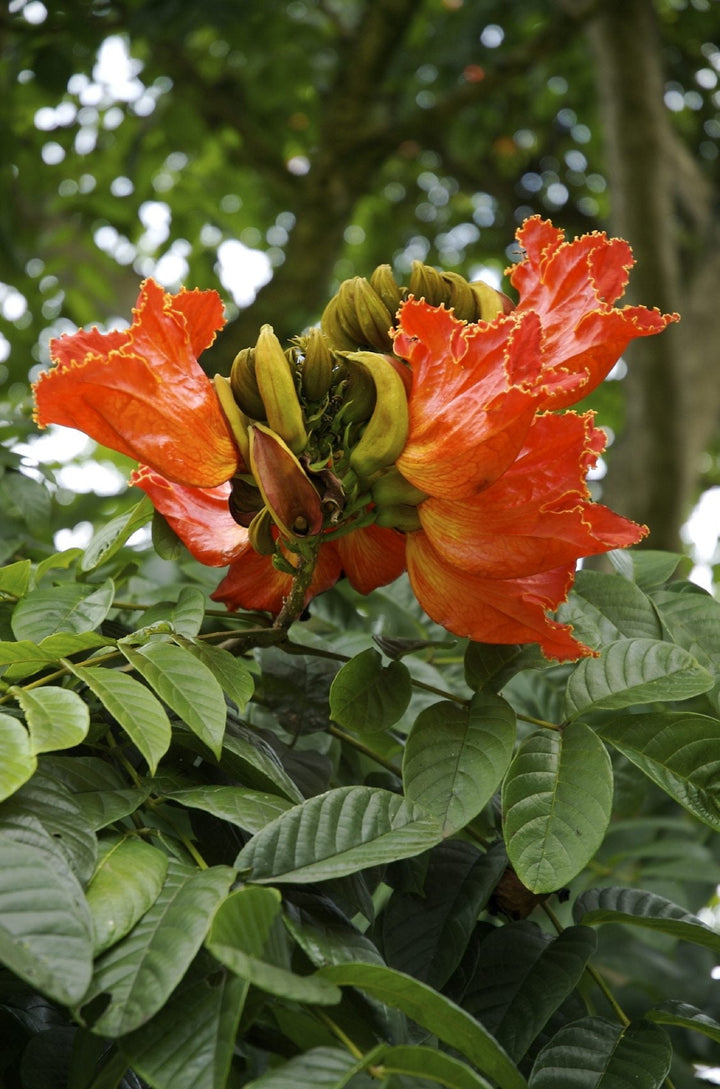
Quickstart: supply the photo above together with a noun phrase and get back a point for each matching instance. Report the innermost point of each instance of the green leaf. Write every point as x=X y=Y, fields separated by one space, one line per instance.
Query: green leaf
x=238 y=937
x=556 y=799
x=492 y=665
x=337 y=833
x=69 y=607
x=249 y=758
x=112 y=535
x=57 y=718
x=126 y=882
x=185 y=685
x=18 y=760
x=693 y=621
x=45 y=927
x=133 y=707
x=595 y=1054
x=231 y=672
x=23 y=658
x=425 y=932
x=46 y=803
x=682 y=1015
x=189 y=1043
x=648 y=567
x=428 y=1063
x=522 y=977
x=189 y=612
x=248 y=809
x=456 y=756
x=367 y=696
x=318 y=1068
x=645 y=909
x=15 y=578
x=603 y=608
x=140 y=972
x=97 y=789
x=633 y=671
x=434 y=1012
x=680 y=752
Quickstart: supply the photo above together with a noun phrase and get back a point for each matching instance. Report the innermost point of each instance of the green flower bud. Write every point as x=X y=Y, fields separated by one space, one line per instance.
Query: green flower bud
x=426 y=283
x=317 y=365
x=384 y=283
x=244 y=385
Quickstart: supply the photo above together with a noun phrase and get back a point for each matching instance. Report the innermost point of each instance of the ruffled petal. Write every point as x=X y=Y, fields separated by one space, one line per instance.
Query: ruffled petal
x=371 y=557
x=253 y=582
x=472 y=399
x=538 y=515
x=199 y=516
x=493 y=610
x=572 y=286
x=142 y=392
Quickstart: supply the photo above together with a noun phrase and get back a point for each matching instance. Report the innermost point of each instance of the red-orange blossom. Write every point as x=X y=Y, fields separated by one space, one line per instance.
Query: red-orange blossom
x=505 y=511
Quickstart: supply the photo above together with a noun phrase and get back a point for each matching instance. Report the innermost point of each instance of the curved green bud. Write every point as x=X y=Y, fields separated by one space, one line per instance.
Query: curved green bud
x=372 y=316
x=358 y=396
x=333 y=326
x=384 y=283
x=393 y=488
x=427 y=283
x=244 y=384
x=461 y=297
x=291 y=499
x=386 y=432
x=317 y=366
x=237 y=421
x=490 y=302
x=277 y=389
x=400 y=516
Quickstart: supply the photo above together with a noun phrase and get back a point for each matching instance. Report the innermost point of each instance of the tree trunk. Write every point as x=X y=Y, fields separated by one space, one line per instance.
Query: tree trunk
x=660 y=202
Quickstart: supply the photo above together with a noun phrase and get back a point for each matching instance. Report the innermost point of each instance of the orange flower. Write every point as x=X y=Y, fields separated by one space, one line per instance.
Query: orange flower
x=370 y=557
x=142 y=392
x=508 y=512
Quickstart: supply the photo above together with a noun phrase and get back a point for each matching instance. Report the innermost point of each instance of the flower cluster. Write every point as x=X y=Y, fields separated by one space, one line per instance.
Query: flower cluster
x=417 y=429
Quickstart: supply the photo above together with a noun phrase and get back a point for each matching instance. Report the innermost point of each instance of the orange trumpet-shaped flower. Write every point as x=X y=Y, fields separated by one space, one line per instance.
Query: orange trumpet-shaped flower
x=508 y=512
x=142 y=392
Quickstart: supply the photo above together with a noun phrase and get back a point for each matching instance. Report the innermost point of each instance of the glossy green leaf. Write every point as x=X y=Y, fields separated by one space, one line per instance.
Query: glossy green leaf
x=57 y=718
x=97 y=789
x=185 y=685
x=140 y=972
x=430 y=1064
x=618 y=904
x=70 y=607
x=425 y=932
x=432 y=1011
x=248 y=809
x=112 y=535
x=678 y=751
x=318 y=1068
x=126 y=882
x=238 y=936
x=189 y=612
x=15 y=578
x=596 y=1054
x=693 y=621
x=492 y=665
x=603 y=608
x=18 y=759
x=634 y=671
x=337 y=833
x=522 y=977
x=134 y=707
x=230 y=671
x=48 y=803
x=367 y=696
x=556 y=800
x=23 y=658
x=683 y=1015
x=456 y=756
x=45 y=926
x=189 y=1043
x=648 y=567
x=248 y=757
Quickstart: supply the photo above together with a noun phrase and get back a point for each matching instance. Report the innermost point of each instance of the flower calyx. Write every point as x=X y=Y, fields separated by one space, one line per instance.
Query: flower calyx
x=287 y=493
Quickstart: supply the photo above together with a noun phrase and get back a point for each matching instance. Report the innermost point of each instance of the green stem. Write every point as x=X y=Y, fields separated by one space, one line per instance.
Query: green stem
x=338 y=1032
x=364 y=749
x=294 y=603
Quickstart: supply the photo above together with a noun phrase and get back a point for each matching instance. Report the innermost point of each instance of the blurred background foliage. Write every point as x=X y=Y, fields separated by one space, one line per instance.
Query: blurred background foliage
x=271 y=148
